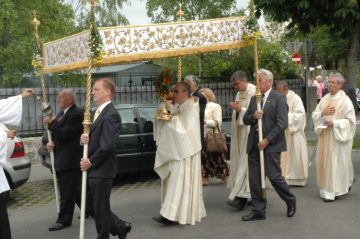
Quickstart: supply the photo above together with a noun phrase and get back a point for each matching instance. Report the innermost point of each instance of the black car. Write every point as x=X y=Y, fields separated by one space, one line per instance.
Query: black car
x=136 y=147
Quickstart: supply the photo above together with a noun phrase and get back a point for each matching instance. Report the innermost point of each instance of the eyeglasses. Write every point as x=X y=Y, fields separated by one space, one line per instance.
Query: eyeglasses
x=178 y=91
x=333 y=82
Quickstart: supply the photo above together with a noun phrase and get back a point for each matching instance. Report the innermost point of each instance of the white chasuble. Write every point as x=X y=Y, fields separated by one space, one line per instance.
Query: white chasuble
x=178 y=164
x=294 y=161
x=11 y=110
x=4 y=186
x=238 y=180
x=10 y=113
x=334 y=169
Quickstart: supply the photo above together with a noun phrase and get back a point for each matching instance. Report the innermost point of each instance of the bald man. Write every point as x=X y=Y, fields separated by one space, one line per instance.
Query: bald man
x=66 y=129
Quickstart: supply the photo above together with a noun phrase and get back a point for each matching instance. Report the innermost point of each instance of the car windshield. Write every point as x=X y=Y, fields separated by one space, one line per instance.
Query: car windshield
x=147 y=115
x=129 y=124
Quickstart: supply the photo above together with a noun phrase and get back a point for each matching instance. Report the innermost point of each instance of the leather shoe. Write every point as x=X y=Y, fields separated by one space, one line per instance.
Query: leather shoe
x=253 y=216
x=126 y=228
x=57 y=226
x=238 y=203
x=291 y=210
x=164 y=221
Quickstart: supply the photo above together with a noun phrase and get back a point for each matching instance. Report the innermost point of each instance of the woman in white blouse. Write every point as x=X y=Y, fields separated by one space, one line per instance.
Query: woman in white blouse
x=213 y=164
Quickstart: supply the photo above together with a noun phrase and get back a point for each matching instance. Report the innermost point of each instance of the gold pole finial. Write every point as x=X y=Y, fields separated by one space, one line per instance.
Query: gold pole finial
x=180 y=13
x=35 y=22
x=93 y=2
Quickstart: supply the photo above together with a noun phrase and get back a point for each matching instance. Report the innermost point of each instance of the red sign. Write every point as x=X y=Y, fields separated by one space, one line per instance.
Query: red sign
x=296 y=58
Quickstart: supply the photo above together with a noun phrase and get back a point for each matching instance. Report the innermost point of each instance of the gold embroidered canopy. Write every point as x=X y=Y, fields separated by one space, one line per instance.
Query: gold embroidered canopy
x=147 y=42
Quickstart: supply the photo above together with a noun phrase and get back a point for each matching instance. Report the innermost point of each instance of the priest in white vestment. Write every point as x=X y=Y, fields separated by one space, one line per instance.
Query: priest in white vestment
x=178 y=161
x=334 y=122
x=294 y=161
x=10 y=113
x=238 y=181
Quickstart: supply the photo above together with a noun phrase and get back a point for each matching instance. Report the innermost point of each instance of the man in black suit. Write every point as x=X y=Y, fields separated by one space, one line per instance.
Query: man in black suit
x=194 y=83
x=101 y=164
x=274 y=116
x=66 y=129
x=351 y=93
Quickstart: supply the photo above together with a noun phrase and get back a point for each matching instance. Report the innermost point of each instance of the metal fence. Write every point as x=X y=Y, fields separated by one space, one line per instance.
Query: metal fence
x=32 y=125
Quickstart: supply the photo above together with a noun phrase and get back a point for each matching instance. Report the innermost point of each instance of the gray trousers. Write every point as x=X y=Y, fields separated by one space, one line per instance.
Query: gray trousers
x=273 y=172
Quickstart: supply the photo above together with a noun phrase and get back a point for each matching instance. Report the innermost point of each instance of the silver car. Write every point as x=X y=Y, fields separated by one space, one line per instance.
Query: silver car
x=18 y=166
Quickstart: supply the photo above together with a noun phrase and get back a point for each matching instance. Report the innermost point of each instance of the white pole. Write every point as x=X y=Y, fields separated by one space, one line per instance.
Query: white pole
x=83 y=196
x=52 y=160
x=262 y=165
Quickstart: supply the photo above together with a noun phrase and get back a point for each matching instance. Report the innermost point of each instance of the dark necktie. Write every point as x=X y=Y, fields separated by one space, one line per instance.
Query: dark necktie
x=60 y=115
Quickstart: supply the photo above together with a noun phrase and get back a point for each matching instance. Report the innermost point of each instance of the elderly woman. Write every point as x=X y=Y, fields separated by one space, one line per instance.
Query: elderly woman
x=213 y=164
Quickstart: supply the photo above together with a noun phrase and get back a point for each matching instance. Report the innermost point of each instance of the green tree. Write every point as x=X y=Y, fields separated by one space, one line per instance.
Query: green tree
x=329 y=47
x=165 y=10
x=275 y=58
x=108 y=12
x=17 y=42
x=336 y=14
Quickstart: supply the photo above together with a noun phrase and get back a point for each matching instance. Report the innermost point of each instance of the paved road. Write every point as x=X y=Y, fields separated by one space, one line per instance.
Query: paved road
x=138 y=201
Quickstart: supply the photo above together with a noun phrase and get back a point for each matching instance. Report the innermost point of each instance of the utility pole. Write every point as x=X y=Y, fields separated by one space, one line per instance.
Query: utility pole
x=307 y=51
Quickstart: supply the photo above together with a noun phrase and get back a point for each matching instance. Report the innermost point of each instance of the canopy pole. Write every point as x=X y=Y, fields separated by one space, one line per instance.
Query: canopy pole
x=180 y=14
x=87 y=122
x=258 y=102
x=38 y=64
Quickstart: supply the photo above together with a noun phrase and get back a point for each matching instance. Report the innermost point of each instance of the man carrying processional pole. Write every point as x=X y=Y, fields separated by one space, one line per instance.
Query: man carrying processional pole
x=267 y=116
x=99 y=164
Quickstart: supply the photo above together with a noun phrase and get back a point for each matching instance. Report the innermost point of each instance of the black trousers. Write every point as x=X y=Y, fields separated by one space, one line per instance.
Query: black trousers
x=5 y=232
x=70 y=194
x=273 y=172
x=105 y=220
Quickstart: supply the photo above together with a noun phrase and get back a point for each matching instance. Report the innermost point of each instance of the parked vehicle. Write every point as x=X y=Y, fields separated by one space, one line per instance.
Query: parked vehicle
x=136 y=148
x=18 y=166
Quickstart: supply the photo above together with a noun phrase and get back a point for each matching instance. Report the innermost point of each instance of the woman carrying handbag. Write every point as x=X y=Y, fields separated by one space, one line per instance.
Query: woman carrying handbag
x=213 y=163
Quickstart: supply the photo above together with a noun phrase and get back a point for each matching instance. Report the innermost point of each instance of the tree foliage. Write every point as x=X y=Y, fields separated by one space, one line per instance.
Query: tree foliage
x=108 y=12
x=165 y=10
x=59 y=18
x=329 y=47
x=17 y=42
x=339 y=15
x=275 y=58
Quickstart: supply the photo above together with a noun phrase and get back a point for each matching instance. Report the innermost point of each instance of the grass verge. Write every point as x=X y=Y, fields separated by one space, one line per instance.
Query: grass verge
x=356 y=144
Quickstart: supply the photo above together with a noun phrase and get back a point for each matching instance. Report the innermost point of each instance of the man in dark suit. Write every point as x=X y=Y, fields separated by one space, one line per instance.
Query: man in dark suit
x=274 y=116
x=194 y=83
x=101 y=164
x=66 y=129
x=351 y=93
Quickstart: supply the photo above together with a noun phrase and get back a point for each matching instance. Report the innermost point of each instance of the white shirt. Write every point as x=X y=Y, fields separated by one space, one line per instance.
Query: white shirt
x=101 y=107
x=265 y=97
